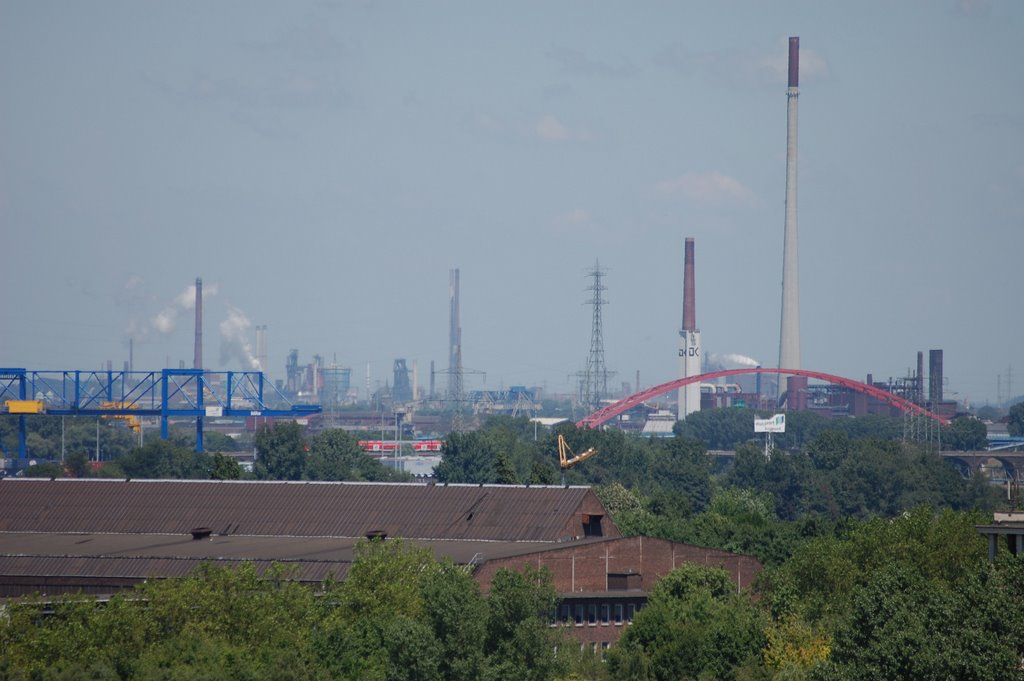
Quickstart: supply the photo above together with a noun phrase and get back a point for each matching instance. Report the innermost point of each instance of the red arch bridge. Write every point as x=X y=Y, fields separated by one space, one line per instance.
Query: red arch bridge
x=605 y=414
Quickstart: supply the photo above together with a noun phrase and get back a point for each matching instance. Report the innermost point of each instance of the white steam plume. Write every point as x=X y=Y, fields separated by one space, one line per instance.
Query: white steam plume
x=234 y=340
x=167 y=319
x=733 y=358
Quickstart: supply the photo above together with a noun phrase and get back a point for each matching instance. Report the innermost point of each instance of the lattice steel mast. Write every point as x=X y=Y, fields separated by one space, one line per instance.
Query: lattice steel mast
x=595 y=378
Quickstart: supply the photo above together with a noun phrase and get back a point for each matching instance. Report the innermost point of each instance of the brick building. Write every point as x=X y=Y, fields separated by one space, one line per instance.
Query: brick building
x=602 y=583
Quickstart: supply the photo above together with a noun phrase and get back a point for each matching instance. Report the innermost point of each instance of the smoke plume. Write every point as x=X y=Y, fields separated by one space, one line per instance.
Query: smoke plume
x=167 y=318
x=234 y=340
x=733 y=358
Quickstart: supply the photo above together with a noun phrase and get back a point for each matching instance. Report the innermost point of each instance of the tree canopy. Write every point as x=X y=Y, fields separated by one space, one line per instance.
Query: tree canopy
x=400 y=615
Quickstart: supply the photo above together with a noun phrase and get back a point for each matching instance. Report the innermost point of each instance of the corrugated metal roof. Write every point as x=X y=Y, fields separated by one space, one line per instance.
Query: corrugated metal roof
x=458 y=512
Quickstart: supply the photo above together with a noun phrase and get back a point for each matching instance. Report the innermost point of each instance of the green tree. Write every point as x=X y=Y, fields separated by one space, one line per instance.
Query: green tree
x=77 y=465
x=457 y=614
x=718 y=428
x=163 y=459
x=542 y=474
x=520 y=642
x=44 y=470
x=224 y=467
x=681 y=466
x=504 y=473
x=694 y=625
x=218 y=623
x=905 y=626
x=335 y=455
x=382 y=595
x=964 y=434
x=280 y=452
x=819 y=579
x=1015 y=420
x=466 y=457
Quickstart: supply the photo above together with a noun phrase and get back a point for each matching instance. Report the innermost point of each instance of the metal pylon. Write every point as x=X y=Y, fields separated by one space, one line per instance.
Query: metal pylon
x=595 y=378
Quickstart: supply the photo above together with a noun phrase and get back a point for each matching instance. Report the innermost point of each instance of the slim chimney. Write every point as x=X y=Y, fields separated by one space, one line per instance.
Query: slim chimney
x=454 y=341
x=415 y=379
x=935 y=377
x=689 y=339
x=261 y=347
x=789 y=337
x=689 y=307
x=919 y=380
x=198 y=361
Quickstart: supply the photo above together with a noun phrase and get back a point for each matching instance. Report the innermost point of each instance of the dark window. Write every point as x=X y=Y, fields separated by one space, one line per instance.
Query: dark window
x=618 y=613
x=579 y=615
x=624 y=581
x=630 y=611
x=591 y=525
x=604 y=613
x=604 y=650
x=592 y=614
x=566 y=612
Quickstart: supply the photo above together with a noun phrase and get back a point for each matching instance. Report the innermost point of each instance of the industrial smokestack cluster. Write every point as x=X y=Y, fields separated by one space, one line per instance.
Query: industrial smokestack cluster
x=689 y=338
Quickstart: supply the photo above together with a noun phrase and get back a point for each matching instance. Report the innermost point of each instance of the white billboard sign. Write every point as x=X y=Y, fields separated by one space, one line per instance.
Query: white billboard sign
x=215 y=412
x=776 y=424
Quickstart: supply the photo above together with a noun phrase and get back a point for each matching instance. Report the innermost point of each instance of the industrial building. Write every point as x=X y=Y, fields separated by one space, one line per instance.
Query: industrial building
x=101 y=536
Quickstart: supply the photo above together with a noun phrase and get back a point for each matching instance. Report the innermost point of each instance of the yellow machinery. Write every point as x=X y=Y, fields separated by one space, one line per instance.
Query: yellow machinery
x=25 y=407
x=133 y=421
x=566 y=456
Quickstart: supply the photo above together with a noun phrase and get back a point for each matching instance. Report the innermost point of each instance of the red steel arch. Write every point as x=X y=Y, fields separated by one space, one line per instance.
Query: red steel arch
x=612 y=410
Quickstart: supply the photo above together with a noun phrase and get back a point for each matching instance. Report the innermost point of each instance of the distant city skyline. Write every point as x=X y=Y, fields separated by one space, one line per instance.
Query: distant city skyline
x=323 y=165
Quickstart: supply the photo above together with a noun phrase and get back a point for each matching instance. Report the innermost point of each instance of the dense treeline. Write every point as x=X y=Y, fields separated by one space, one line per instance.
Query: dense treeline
x=282 y=452
x=399 y=615
x=912 y=597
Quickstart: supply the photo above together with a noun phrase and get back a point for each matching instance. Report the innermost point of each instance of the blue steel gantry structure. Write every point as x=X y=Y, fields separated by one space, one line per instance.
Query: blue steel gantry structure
x=168 y=394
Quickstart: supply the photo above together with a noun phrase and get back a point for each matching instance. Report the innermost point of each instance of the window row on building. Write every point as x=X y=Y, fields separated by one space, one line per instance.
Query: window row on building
x=597 y=613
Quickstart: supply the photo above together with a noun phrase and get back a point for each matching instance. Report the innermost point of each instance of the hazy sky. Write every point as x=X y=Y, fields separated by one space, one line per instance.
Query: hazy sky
x=322 y=165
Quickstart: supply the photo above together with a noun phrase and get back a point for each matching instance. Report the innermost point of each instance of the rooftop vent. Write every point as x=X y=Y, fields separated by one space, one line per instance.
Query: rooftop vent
x=377 y=534
x=201 y=532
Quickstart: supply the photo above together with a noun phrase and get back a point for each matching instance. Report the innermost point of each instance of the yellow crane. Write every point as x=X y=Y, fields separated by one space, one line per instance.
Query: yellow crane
x=133 y=421
x=567 y=458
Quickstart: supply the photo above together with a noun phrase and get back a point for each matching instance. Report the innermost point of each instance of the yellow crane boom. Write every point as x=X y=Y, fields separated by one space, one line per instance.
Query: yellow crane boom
x=566 y=457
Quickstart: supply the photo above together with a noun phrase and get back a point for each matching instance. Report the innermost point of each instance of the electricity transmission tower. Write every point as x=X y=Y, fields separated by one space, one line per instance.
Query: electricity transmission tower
x=594 y=386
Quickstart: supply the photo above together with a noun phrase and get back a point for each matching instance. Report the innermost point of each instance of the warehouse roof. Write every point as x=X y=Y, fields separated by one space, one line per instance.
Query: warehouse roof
x=298 y=509
x=103 y=535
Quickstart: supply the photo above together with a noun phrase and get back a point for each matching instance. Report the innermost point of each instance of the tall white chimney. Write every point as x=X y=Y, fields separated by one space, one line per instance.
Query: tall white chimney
x=789 y=338
x=689 y=338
